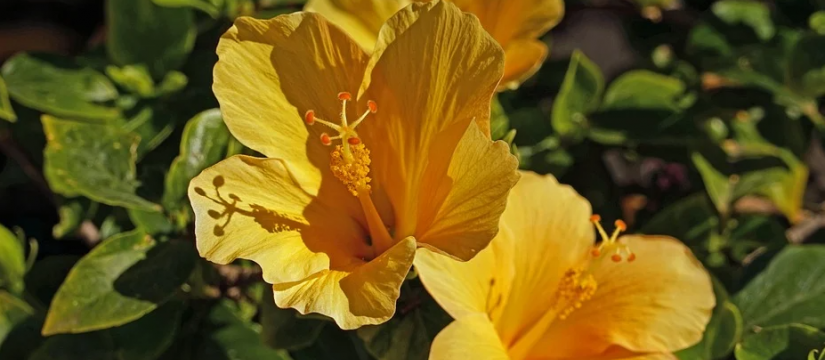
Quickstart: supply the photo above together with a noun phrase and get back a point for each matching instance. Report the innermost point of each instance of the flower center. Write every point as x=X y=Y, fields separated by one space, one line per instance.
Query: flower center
x=578 y=284
x=610 y=244
x=350 y=163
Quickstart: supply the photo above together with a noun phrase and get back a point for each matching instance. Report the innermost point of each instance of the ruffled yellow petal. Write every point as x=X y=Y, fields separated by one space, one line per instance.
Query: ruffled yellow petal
x=523 y=60
x=461 y=208
x=551 y=234
x=270 y=72
x=357 y=295
x=659 y=303
x=478 y=286
x=429 y=87
x=252 y=208
x=361 y=19
x=509 y=20
x=469 y=337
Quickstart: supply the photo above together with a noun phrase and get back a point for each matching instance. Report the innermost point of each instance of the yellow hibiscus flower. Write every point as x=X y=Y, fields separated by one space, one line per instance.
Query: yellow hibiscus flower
x=544 y=290
x=515 y=24
x=368 y=158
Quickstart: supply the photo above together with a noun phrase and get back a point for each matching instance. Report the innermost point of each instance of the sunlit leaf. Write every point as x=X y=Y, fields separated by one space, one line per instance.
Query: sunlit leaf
x=580 y=94
x=12 y=262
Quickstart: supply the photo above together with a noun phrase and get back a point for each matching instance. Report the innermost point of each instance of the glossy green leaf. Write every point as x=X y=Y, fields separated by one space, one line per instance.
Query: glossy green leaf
x=144 y=339
x=499 y=122
x=122 y=279
x=152 y=125
x=141 y=32
x=96 y=161
x=753 y=14
x=135 y=78
x=59 y=87
x=6 y=111
x=12 y=312
x=580 y=94
x=12 y=262
x=790 y=290
x=786 y=342
x=644 y=90
x=203 y=143
x=286 y=328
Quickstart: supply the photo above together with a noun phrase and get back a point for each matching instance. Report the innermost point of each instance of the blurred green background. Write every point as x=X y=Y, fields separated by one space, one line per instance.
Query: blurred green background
x=698 y=119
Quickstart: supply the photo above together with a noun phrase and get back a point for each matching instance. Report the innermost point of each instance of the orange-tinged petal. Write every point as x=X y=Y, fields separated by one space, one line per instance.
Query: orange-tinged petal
x=253 y=208
x=523 y=60
x=461 y=208
x=659 y=303
x=469 y=337
x=271 y=72
x=361 y=19
x=551 y=234
x=509 y=20
x=433 y=72
x=478 y=286
x=362 y=294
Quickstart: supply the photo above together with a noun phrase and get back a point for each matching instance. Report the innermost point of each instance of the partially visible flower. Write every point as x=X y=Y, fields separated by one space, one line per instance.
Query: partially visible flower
x=544 y=290
x=515 y=24
x=368 y=158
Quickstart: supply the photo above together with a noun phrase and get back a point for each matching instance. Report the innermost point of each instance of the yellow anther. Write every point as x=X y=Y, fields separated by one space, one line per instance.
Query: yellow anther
x=355 y=172
x=575 y=288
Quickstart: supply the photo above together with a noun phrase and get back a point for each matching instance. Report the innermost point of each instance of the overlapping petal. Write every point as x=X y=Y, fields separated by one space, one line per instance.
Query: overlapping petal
x=469 y=337
x=425 y=110
x=660 y=303
x=361 y=19
x=270 y=72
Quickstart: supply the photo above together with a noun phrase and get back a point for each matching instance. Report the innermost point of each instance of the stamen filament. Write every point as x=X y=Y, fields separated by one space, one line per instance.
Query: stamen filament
x=381 y=239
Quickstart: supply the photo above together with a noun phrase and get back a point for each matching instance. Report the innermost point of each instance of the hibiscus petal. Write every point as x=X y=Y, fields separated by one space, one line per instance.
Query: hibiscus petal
x=509 y=20
x=271 y=72
x=476 y=286
x=659 y=303
x=364 y=294
x=552 y=233
x=434 y=71
x=253 y=208
x=361 y=19
x=469 y=337
x=524 y=58
x=461 y=209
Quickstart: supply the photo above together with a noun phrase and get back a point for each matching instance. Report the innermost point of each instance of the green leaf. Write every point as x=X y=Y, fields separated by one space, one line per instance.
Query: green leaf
x=152 y=222
x=644 y=90
x=6 y=111
x=72 y=213
x=203 y=143
x=405 y=336
x=286 y=328
x=817 y=22
x=144 y=339
x=580 y=94
x=119 y=281
x=135 y=78
x=152 y=125
x=12 y=312
x=790 y=290
x=12 y=262
x=754 y=14
x=719 y=186
x=787 y=342
x=806 y=68
x=141 y=32
x=96 y=161
x=207 y=6
x=691 y=220
x=59 y=87
x=499 y=123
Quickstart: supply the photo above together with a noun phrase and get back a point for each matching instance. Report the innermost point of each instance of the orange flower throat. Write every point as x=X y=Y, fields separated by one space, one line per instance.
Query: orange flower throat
x=350 y=163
